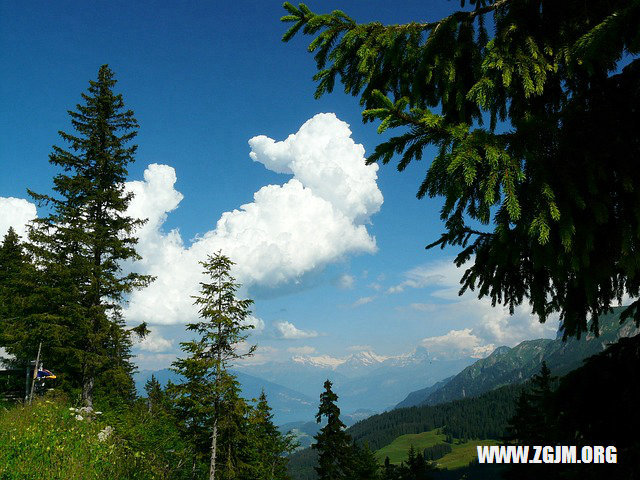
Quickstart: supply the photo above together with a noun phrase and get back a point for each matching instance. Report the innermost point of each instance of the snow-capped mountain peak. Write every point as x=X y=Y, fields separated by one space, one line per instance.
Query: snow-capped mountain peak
x=355 y=361
x=319 y=361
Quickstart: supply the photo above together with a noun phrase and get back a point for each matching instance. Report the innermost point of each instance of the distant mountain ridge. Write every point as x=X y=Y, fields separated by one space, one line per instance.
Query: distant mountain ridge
x=288 y=405
x=417 y=397
x=363 y=380
x=515 y=365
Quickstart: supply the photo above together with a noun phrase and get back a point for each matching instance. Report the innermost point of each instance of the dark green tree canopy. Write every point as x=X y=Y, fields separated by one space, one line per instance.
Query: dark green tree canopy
x=333 y=443
x=81 y=243
x=532 y=109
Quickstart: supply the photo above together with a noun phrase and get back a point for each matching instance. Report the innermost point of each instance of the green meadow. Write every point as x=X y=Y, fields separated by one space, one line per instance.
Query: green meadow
x=460 y=456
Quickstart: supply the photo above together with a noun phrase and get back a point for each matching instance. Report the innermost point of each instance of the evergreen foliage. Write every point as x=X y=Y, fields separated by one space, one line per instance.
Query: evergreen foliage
x=14 y=264
x=156 y=397
x=338 y=458
x=563 y=415
x=533 y=417
x=534 y=118
x=267 y=446
x=365 y=464
x=332 y=442
x=74 y=302
x=436 y=451
x=208 y=402
x=415 y=468
x=485 y=416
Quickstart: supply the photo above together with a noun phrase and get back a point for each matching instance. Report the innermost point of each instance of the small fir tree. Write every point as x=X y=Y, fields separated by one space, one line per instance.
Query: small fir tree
x=268 y=446
x=208 y=399
x=155 y=394
x=333 y=443
x=365 y=465
x=534 y=419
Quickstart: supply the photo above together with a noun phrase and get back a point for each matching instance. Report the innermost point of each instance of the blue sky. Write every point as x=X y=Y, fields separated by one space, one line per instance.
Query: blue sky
x=203 y=78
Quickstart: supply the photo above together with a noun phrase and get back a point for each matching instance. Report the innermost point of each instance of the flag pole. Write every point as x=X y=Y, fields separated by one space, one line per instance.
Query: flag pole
x=35 y=373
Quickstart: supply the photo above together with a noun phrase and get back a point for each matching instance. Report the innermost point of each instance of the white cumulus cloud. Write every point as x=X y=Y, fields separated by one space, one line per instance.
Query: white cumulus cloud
x=471 y=317
x=154 y=342
x=257 y=324
x=457 y=343
x=289 y=331
x=317 y=217
x=16 y=213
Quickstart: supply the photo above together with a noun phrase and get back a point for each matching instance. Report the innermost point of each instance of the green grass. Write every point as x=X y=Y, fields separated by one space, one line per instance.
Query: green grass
x=45 y=440
x=460 y=455
x=397 y=450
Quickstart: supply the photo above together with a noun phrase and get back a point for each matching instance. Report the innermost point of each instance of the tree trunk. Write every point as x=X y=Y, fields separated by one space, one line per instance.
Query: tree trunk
x=214 y=446
x=87 y=391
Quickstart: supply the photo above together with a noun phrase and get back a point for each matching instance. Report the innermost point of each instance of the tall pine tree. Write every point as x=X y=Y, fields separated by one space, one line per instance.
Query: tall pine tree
x=80 y=245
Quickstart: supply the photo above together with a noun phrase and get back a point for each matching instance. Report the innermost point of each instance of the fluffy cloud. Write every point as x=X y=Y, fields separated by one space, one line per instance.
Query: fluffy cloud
x=475 y=319
x=257 y=324
x=324 y=158
x=318 y=217
x=457 y=343
x=3 y=355
x=262 y=354
x=154 y=342
x=154 y=361
x=16 y=213
x=289 y=331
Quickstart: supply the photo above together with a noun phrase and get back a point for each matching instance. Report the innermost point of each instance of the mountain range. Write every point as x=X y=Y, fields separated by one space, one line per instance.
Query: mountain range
x=287 y=404
x=517 y=364
x=363 y=380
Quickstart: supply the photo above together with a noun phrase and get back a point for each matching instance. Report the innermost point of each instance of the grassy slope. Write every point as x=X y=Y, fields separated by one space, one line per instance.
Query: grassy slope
x=463 y=454
x=460 y=456
x=46 y=441
x=397 y=450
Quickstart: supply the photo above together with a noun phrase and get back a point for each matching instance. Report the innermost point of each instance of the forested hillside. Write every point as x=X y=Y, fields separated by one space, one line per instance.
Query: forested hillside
x=485 y=416
x=515 y=365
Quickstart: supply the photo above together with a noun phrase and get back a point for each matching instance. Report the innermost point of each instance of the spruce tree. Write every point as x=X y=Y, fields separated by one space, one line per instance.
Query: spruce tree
x=81 y=244
x=365 y=465
x=333 y=443
x=268 y=446
x=534 y=419
x=532 y=109
x=12 y=264
x=208 y=400
x=14 y=270
x=416 y=467
x=155 y=395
